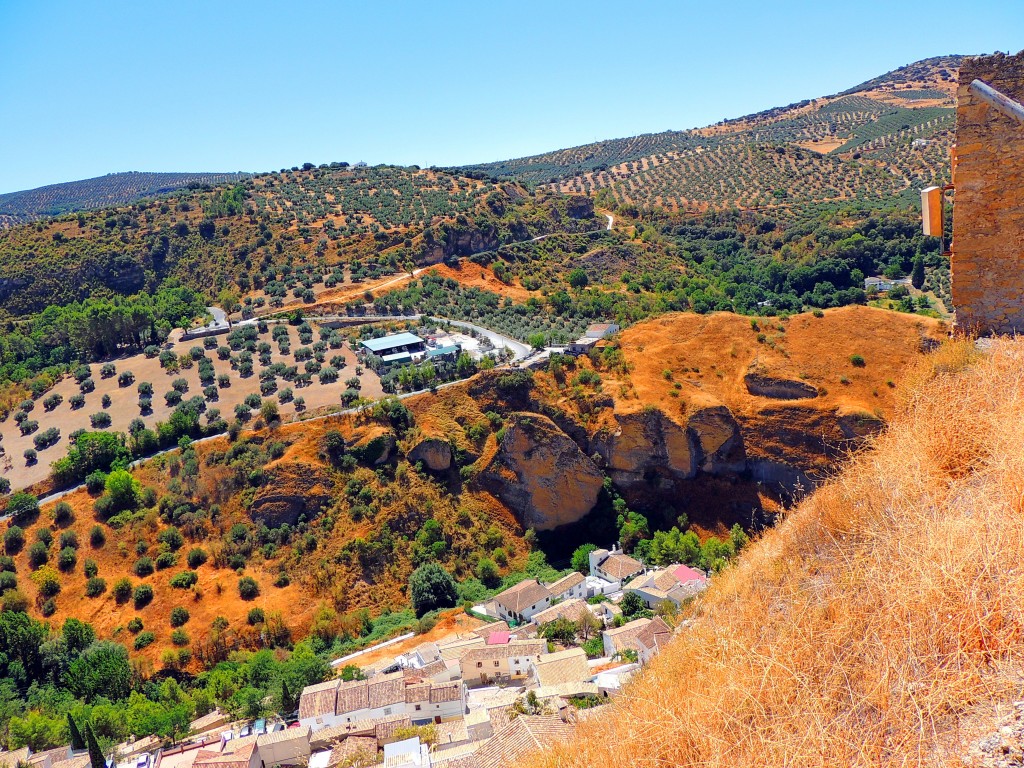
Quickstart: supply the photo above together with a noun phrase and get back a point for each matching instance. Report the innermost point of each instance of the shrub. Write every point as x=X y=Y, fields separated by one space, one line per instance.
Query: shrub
x=172 y=538
x=95 y=587
x=196 y=557
x=143 y=639
x=48 y=581
x=100 y=420
x=9 y=581
x=38 y=555
x=62 y=513
x=179 y=616
x=166 y=560
x=282 y=580
x=23 y=507
x=76 y=401
x=31 y=457
x=172 y=398
x=14 y=600
x=142 y=596
x=97 y=537
x=86 y=386
x=122 y=590
x=69 y=539
x=179 y=637
x=89 y=568
x=48 y=608
x=184 y=580
x=143 y=567
x=7 y=564
x=248 y=589
x=857 y=361
x=125 y=379
x=52 y=401
x=28 y=426
x=66 y=559
x=180 y=385
x=44 y=535
x=256 y=616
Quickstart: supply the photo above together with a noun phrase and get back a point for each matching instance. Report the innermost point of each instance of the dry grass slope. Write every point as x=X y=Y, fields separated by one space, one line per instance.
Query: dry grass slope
x=879 y=624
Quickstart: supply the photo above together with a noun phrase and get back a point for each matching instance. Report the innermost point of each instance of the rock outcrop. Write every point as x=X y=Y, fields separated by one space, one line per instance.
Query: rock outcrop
x=289 y=492
x=650 y=448
x=435 y=453
x=540 y=474
x=762 y=385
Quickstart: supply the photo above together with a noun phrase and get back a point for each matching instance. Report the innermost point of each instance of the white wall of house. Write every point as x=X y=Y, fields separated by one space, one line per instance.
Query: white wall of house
x=527 y=613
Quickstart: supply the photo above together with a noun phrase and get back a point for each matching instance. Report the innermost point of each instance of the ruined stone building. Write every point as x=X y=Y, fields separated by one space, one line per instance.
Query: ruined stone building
x=988 y=175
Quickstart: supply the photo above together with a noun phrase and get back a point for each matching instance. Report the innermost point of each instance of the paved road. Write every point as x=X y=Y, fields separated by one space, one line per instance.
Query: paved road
x=519 y=350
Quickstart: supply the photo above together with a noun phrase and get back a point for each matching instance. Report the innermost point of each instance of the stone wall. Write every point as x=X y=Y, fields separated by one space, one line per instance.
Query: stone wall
x=988 y=227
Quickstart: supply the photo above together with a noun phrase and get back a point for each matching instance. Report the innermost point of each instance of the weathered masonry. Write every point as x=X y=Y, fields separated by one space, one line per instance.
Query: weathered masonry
x=988 y=174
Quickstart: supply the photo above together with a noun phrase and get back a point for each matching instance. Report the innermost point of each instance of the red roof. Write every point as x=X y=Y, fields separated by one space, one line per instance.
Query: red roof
x=499 y=638
x=686 y=574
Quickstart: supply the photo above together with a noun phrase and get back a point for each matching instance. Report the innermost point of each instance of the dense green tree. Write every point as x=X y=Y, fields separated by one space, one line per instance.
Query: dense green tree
x=432 y=587
x=581 y=558
x=102 y=669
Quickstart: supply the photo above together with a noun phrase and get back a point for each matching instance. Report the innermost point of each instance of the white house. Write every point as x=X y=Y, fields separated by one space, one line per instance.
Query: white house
x=675 y=584
x=615 y=566
x=518 y=604
x=380 y=697
x=501 y=663
x=567 y=587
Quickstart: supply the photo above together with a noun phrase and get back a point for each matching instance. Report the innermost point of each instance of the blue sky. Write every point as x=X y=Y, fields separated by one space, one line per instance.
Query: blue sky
x=88 y=88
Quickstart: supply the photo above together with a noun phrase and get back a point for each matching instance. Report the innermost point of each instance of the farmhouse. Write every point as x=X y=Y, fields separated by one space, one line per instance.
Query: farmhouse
x=573 y=585
x=395 y=349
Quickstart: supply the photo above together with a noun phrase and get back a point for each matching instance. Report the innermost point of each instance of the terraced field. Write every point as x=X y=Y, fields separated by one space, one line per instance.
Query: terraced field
x=880 y=140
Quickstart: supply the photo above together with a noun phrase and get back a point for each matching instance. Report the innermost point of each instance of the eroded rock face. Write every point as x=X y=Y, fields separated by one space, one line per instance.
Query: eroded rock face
x=718 y=440
x=541 y=474
x=763 y=385
x=648 y=447
x=643 y=445
x=436 y=454
x=289 y=492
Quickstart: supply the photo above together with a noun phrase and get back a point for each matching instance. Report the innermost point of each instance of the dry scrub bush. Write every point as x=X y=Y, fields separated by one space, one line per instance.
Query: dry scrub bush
x=879 y=624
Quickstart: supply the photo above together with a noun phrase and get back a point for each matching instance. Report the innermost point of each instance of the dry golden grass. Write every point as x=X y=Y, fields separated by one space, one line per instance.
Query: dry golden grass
x=879 y=624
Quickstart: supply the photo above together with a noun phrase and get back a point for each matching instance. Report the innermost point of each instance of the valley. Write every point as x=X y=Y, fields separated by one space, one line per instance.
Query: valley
x=252 y=424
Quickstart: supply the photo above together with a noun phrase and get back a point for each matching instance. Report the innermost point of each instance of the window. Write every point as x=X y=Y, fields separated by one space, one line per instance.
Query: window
x=479 y=664
x=387 y=710
x=495 y=663
x=417 y=707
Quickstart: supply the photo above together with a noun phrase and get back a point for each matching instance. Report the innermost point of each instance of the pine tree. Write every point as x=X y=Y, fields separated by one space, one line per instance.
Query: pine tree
x=286 y=699
x=96 y=758
x=77 y=740
x=917 y=273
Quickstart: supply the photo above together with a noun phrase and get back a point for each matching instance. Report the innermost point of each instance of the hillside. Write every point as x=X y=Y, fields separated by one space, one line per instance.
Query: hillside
x=873 y=142
x=100 y=192
x=329 y=515
x=879 y=624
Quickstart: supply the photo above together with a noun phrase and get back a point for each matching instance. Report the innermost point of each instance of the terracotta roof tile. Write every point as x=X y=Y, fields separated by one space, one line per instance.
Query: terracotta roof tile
x=525 y=734
x=524 y=594
x=563 y=667
x=317 y=700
